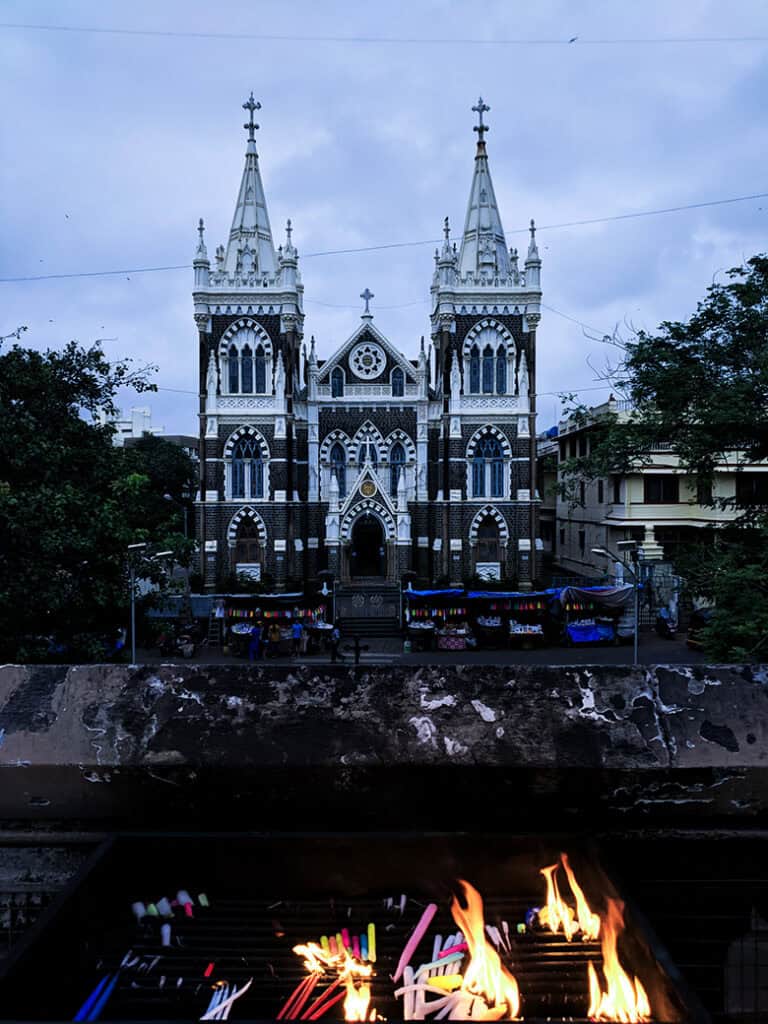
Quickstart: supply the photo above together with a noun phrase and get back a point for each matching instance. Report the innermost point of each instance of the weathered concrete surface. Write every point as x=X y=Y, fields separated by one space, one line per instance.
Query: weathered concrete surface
x=685 y=739
x=601 y=716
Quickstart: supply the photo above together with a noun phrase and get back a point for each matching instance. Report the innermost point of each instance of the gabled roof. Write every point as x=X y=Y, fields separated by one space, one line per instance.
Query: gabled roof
x=366 y=328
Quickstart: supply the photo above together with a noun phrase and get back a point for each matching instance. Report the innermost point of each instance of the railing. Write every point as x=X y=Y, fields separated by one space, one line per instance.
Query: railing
x=367 y=391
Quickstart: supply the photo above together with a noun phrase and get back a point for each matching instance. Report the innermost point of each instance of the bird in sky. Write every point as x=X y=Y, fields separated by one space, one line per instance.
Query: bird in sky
x=573 y=39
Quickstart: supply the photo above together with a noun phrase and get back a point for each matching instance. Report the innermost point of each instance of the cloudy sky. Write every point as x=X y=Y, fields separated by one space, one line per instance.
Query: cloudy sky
x=114 y=144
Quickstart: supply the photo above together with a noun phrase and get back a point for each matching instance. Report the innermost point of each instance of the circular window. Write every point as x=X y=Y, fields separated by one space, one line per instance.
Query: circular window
x=367 y=361
x=368 y=488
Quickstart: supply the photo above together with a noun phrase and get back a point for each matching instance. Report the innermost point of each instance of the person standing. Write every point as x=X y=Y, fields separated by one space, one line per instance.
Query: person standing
x=335 y=641
x=254 y=646
x=274 y=640
x=296 y=630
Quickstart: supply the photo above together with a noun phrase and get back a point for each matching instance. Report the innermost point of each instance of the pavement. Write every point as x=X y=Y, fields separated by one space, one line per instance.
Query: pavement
x=652 y=651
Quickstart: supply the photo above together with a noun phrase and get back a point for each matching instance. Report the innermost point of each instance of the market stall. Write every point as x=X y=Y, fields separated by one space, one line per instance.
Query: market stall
x=595 y=614
x=276 y=613
x=517 y=618
x=436 y=619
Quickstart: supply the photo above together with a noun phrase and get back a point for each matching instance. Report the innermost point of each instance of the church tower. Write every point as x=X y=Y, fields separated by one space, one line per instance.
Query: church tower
x=485 y=312
x=248 y=311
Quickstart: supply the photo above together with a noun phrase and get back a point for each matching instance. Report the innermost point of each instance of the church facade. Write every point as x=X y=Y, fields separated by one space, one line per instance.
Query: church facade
x=369 y=463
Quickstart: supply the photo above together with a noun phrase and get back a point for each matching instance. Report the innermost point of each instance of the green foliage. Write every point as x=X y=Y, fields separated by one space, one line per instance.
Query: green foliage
x=71 y=502
x=702 y=385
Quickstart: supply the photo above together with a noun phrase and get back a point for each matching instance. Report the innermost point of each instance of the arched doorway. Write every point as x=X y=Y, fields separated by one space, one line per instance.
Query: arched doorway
x=368 y=551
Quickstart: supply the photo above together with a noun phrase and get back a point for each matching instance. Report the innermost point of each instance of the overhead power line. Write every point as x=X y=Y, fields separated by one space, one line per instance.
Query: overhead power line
x=275 y=37
x=401 y=245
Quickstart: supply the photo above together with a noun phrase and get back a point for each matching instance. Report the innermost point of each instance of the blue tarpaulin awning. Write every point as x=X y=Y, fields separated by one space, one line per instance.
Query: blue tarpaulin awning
x=434 y=593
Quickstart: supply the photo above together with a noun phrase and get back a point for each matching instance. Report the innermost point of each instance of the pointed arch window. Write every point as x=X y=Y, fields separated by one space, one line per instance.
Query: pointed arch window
x=398 y=383
x=501 y=370
x=260 y=370
x=474 y=370
x=396 y=467
x=234 y=370
x=247 y=470
x=337 y=383
x=246 y=370
x=339 y=468
x=487 y=370
x=488 y=469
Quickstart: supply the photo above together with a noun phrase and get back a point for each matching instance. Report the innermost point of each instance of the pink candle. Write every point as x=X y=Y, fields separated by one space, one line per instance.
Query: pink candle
x=356 y=947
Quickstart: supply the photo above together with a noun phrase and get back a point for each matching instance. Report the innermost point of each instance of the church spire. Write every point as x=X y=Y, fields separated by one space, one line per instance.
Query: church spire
x=483 y=246
x=250 y=248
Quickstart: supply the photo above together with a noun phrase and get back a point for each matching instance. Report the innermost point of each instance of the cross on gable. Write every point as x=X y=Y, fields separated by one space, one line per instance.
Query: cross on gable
x=480 y=109
x=250 y=105
x=367 y=295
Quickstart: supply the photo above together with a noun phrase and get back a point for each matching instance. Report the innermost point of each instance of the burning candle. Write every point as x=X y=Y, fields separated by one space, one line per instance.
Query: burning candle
x=356 y=947
x=364 y=947
x=345 y=938
x=324 y=943
x=372 y=942
x=340 y=943
x=332 y=944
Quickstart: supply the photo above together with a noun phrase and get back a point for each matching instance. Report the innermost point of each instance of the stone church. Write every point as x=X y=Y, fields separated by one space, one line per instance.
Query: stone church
x=368 y=463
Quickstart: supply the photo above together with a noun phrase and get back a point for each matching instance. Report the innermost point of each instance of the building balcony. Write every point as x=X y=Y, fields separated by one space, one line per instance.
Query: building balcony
x=367 y=392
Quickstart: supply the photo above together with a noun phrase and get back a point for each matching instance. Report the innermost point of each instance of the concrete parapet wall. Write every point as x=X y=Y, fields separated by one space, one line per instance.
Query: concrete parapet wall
x=307 y=748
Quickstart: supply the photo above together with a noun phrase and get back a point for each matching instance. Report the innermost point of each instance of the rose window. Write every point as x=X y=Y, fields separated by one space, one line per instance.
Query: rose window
x=367 y=361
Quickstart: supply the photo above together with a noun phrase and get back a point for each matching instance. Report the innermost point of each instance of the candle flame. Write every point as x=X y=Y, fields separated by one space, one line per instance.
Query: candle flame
x=558 y=914
x=485 y=977
x=625 y=1001
x=351 y=972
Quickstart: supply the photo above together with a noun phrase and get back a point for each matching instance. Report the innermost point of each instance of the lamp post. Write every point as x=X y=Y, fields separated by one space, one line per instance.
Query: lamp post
x=630 y=546
x=132 y=566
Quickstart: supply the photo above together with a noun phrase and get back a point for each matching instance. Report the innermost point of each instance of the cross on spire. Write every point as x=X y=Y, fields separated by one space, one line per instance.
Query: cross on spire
x=481 y=128
x=367 y=295
x=250 y=105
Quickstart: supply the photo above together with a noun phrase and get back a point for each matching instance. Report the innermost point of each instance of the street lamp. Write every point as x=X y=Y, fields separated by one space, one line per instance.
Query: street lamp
x=631 y=546
x=136 y=548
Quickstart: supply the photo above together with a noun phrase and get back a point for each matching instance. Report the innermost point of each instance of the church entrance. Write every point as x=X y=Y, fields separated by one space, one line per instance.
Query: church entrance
x=368 y=552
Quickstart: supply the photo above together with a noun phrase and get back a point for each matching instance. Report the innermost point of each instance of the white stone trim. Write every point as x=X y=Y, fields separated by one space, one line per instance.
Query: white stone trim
x=500 y=436
x=246 y=512
x=489 y=512
x=368 y=506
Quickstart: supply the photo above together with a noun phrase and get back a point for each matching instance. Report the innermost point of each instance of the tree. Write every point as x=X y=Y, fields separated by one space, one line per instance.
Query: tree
x=70 y=502
x=702 y=386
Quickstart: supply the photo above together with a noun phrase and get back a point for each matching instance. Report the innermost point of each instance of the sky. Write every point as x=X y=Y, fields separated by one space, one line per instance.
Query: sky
x=114 y=144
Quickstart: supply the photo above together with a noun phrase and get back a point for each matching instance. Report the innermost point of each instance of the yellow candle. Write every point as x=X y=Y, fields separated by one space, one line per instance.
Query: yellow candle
x=447 y=982
x=324 y=943
x=339 y=943
x=372 y=943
